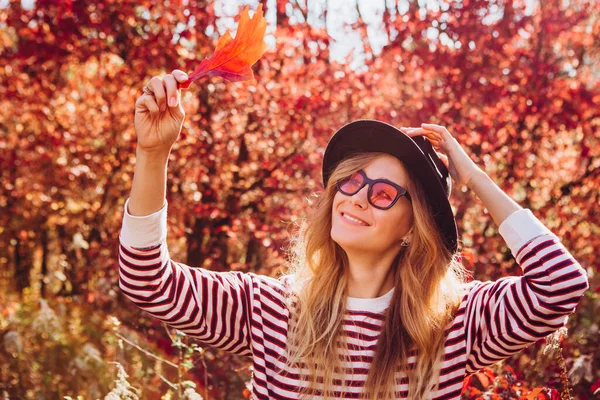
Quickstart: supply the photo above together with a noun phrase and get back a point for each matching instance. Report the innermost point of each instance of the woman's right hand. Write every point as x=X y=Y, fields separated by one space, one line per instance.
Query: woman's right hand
x=159 y=116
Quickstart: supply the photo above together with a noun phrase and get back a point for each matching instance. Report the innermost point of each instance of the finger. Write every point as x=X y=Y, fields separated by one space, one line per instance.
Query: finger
x=150 y=104
x=156 y=85
x=430 y=133
x=180 y=76
x=418 y=131
x=410 y=132
x=171 y=87
x=435 y=141
x=433 y=125
x=444 y=159
x=139 y=103
x=437 y=128
x=424 y=132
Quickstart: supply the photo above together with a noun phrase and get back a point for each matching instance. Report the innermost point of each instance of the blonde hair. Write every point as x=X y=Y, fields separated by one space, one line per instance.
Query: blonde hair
x=427 y=279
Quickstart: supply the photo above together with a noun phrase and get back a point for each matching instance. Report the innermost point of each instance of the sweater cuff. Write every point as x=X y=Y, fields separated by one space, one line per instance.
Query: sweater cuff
x=520 y=227
x=144 y=232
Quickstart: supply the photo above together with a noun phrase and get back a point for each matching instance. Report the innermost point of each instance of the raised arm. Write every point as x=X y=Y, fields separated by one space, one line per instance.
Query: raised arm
x=507 y=315
x=215 y=307
x=158 y=122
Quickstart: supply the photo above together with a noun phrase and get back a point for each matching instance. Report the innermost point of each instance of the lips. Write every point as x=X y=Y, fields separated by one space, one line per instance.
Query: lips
x=354 y=216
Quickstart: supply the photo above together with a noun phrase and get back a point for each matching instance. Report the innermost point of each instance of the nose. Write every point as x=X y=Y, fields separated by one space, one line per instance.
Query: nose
x=360 y=197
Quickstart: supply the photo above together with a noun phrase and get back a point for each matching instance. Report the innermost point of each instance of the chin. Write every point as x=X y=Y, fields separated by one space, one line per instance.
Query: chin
x=345 y=237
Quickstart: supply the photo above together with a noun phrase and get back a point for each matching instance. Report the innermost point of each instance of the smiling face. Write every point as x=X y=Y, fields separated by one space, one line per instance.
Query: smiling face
x=385 y=228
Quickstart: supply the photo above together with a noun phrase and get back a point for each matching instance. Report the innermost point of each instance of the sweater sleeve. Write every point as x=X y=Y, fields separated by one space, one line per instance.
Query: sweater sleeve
x=505 y=316
x=215 y=307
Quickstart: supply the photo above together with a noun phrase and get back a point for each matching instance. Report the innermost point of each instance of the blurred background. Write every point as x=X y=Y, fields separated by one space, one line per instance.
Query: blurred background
x=515 y=81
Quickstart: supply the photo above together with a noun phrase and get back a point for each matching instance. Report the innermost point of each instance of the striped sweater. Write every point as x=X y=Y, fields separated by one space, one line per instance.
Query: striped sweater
x=246 y=313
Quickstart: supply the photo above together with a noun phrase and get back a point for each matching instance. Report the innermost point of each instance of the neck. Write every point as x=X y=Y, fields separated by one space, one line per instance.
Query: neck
x=370 y=277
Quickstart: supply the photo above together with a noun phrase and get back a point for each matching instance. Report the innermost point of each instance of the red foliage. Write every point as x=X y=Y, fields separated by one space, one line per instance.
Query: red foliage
x=520 y=92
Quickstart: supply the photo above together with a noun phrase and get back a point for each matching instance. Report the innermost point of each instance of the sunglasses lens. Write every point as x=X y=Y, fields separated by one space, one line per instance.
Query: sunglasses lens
x=383 y=194
x=351 y=184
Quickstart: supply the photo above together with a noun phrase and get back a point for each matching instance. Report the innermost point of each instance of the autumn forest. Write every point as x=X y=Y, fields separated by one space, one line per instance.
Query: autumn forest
x=516 y=82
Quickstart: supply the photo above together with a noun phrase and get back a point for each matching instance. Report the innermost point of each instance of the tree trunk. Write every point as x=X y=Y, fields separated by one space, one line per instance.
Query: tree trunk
x=23 y=262
x=65 y=240
x=202 y=245
x=44 y=239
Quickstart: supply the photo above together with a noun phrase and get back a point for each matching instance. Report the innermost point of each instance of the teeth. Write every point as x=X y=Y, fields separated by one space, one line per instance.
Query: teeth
x=353 y=219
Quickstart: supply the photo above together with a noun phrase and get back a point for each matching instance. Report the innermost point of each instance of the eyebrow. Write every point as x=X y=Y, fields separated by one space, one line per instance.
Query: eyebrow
x=400 y=184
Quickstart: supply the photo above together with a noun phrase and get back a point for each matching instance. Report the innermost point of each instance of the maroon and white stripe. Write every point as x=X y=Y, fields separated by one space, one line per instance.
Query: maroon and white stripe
x=245 y=313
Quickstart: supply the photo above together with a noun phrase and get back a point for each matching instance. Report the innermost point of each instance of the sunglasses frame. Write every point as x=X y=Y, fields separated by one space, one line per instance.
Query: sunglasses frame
x=368 y=181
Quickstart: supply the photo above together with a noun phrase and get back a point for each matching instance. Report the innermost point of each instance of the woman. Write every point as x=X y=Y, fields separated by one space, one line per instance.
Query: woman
x=375 y=304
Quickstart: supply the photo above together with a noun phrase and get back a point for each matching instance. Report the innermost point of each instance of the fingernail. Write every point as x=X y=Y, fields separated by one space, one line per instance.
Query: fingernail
x=172 y=102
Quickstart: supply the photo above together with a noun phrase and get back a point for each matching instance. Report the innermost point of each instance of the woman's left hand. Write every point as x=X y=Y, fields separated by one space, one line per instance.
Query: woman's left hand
x=462 y=169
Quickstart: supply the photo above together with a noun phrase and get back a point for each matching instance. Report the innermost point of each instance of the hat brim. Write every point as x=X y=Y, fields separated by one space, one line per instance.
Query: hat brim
x=377 y=136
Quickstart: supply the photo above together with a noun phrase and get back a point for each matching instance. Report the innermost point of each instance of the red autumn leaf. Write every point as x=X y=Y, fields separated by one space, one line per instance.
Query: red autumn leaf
x=535 y=393
x=595 y=387
x=233 y=57
x=466 y=383
x=484 y=378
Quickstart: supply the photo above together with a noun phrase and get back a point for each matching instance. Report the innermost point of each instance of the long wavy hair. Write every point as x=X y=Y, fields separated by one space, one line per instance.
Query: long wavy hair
x=427 y=293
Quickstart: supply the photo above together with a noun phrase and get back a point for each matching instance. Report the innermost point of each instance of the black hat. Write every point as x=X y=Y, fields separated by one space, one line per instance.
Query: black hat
x=416 y=153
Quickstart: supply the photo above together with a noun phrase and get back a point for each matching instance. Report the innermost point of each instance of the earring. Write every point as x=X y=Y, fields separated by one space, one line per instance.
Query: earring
x=405 y=243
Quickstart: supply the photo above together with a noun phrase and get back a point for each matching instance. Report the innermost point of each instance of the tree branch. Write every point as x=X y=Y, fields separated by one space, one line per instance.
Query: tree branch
x=145 y=351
